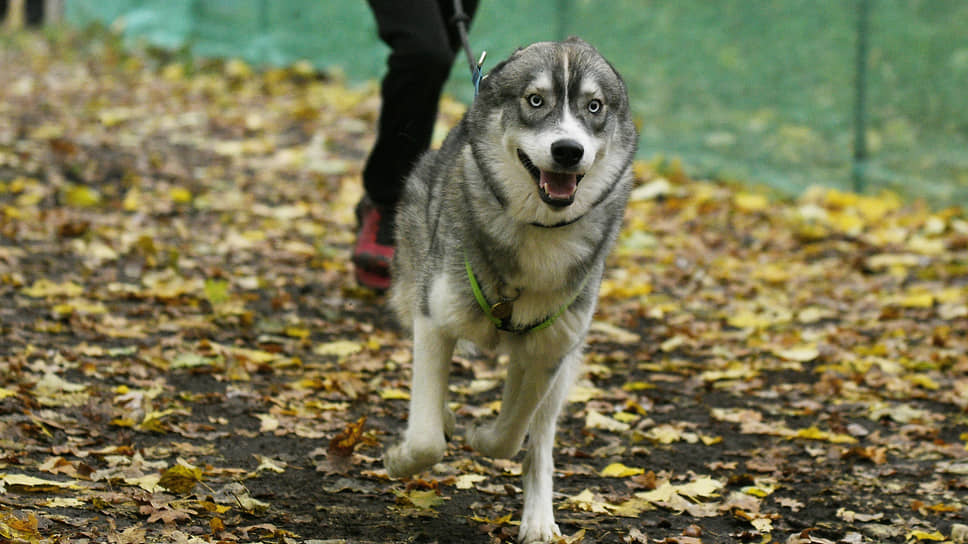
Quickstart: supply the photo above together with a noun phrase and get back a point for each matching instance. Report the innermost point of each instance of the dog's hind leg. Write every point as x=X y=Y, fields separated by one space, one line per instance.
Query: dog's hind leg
x=538 y=518
x=430 y=420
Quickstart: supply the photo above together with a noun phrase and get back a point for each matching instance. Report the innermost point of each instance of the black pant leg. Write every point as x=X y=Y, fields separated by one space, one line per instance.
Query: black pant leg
x=423 y=43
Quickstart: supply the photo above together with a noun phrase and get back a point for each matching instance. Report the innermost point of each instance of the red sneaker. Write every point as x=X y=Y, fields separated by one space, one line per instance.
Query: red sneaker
x=373 y=251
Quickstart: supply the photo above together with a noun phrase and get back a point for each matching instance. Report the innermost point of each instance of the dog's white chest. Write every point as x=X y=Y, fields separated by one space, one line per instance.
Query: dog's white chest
x=544 y=263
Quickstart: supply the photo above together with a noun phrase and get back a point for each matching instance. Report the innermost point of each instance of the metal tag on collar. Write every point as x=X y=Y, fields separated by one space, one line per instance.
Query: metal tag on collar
x=502 y=309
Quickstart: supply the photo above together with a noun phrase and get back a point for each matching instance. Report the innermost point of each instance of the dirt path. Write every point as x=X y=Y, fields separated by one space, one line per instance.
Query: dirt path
x=185 y=357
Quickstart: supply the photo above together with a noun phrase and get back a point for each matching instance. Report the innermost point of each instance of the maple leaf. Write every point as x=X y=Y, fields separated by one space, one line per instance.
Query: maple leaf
x=588 y=501
x=17 y=528
x=343 y=444
x=159 y=509
x=468 y=481
x=270 y=465
x=635 y=536
x=235 y=494
x=422 y=499
x=132 y=535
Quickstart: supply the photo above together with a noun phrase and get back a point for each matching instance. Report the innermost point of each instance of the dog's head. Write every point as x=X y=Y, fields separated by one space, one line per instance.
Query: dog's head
x=557 y=132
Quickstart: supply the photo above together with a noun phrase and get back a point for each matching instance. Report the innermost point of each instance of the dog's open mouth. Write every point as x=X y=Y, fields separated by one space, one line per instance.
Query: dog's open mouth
x=555 y=188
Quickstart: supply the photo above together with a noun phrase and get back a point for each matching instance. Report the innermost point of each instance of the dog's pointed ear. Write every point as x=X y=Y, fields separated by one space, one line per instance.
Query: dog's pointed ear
x=576 y=40
x=494 y=73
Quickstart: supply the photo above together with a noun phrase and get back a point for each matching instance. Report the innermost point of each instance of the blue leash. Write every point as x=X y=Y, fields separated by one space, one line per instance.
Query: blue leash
x=477 y=75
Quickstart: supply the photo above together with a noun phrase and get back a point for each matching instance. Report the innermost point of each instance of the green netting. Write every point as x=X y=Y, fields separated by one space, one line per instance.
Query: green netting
x=751 y=91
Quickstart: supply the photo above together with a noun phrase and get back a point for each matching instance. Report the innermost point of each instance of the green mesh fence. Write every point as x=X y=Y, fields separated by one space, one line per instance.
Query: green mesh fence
x=743 y=90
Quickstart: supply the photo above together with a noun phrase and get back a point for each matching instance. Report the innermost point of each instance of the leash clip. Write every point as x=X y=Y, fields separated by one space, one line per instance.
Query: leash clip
x=478 y=74
x=480 y=62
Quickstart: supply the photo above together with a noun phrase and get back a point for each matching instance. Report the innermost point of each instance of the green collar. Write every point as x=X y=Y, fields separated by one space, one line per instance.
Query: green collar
x=505 y=323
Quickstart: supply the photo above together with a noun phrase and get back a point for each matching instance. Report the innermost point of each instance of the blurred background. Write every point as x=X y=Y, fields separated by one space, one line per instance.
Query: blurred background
x=865 y=95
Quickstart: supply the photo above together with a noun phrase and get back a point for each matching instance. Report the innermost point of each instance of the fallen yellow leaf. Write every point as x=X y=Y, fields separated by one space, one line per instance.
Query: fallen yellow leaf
x=394 y=394
x=339 y=348
x=584 y=393
x=18 y=529
x=595 y=420
x=587 y=501
x=751 y=202
x=813 y=433
x=64 y=502
x=662 y=493
x=664 y=434
x=915 y=300
x=703 y=486
x=924 y=535
x=763 y=525
x=748 y=320
x=47 y=288
x=922 y=381
x=34 y=484
x=801 y=354
x=637 y=386
x=756 y=491
x=467 y=481
x=618 y=470
x=81 y=196
x=297 y=332
x=710 y=440
x=773 y=272
x=180 y=195
x=267 y=423
x=503 y=520
x=180 y=478
x=422 y=499
x=132 y=200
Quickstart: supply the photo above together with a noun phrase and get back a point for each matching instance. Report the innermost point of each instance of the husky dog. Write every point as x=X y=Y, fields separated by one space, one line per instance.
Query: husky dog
x=501 y=240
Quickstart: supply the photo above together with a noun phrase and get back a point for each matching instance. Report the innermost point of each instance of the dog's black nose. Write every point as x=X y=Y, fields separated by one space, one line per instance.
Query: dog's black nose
x=567 y=152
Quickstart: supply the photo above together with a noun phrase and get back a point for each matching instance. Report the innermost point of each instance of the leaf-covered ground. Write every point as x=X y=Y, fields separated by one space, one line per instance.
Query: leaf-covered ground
x=185 y=356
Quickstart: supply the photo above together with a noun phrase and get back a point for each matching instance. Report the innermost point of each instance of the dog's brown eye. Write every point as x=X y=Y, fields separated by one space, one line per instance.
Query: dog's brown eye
x=595 y=106
x=535 y=100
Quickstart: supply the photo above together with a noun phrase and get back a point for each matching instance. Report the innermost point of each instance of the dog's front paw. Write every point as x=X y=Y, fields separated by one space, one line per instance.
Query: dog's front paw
x=486 y=441
x=533 y=531
x=406 y=459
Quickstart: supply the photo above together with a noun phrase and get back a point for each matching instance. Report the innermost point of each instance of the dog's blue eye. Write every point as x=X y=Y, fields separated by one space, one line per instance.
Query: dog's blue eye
x=595 y=106
x=535 y=100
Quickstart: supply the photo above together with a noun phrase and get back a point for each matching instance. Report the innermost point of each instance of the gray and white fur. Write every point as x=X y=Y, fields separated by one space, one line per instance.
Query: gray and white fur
x=529 y=189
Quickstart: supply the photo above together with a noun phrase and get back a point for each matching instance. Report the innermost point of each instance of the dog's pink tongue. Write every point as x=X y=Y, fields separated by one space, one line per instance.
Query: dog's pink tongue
x=559 y=186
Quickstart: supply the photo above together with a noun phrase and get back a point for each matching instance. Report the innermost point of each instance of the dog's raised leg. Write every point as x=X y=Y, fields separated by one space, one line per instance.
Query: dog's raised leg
x=523 y=389
x=533 y=397
x=538 y=518
x=424 y=441
x=527 y=383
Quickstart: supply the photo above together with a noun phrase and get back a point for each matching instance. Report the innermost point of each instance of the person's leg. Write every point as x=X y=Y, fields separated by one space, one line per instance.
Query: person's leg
x=423 y=42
